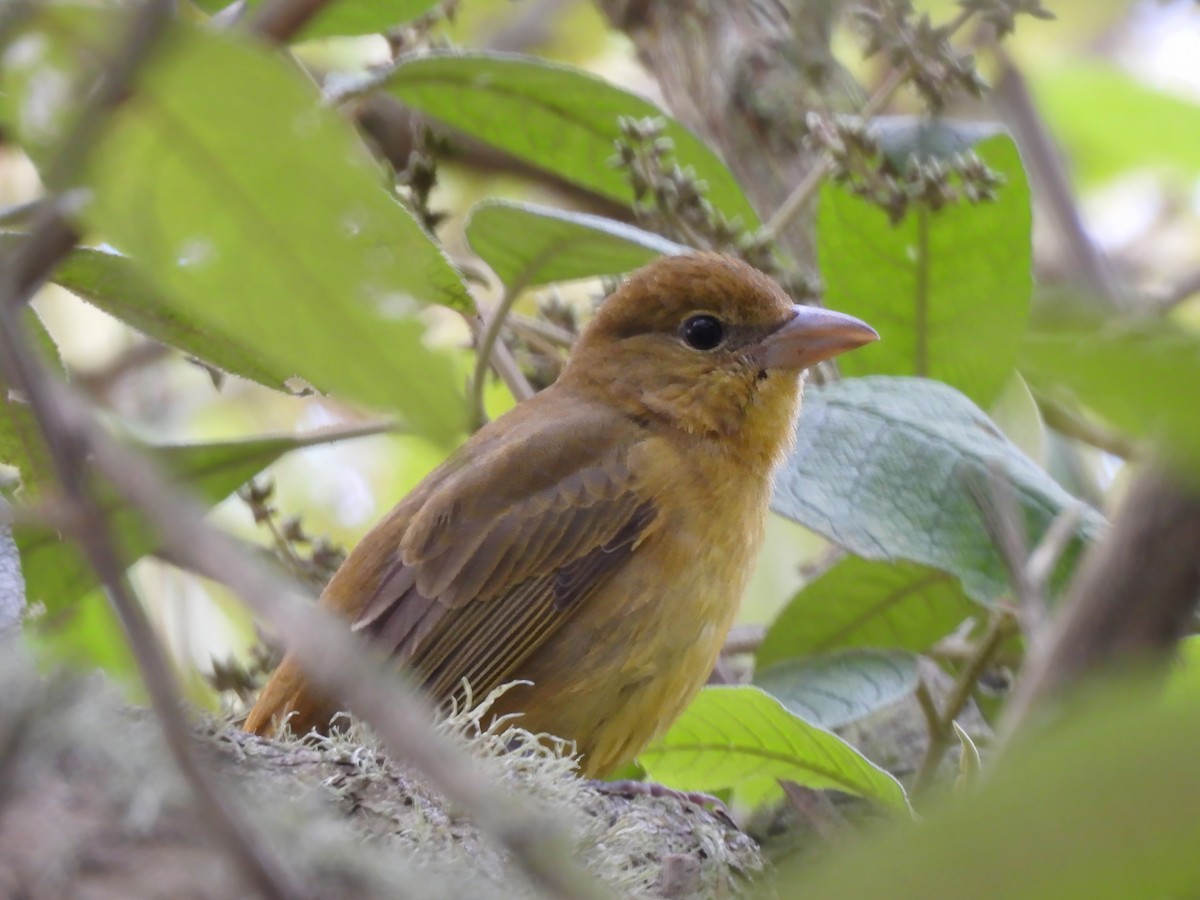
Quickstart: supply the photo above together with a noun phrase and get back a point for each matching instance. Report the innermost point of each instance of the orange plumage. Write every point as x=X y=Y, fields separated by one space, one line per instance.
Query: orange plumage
x=595 y=540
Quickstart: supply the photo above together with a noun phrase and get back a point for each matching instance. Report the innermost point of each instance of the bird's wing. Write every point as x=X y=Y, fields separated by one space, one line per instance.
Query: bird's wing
x=499 y=555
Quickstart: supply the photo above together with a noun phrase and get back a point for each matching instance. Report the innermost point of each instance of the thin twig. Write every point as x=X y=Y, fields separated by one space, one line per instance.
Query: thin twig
x=491 y=352
x=744 y=639
x=1067 y=421
x=1053 y=186
x=1000 y=626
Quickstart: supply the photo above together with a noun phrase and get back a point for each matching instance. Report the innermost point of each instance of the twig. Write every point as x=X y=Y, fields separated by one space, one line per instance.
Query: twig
x=1000 y=626
x=280 y=20
x=1131 y=601
x=1067 y=421
x=492 y=353
x=1045 y=164
x=552 y=334
x=744 y=639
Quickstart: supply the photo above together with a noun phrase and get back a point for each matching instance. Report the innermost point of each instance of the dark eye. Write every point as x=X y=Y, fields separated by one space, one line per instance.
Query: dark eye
x=703 y=332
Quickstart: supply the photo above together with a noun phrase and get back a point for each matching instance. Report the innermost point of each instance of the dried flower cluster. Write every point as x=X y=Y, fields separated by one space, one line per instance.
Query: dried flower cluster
x=914 y=44
x=861 y=164
x=313 y=559
x=672 y=201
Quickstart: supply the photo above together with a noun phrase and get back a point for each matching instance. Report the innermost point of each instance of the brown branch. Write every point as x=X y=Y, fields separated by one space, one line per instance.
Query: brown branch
x=280 y=20
x=1052 y=185
x=1131 y=601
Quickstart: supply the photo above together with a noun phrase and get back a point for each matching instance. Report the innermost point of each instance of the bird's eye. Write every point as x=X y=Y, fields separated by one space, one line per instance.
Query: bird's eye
x=703 y=332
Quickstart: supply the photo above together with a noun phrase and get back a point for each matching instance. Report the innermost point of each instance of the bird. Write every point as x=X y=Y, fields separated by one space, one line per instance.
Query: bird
x=591 y=546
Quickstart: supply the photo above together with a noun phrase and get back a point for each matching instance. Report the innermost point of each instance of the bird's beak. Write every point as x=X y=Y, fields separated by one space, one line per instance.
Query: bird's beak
x=810 y=336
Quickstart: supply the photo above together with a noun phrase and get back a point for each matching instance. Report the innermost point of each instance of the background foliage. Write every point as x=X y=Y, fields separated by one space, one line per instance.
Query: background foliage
x=259 y=286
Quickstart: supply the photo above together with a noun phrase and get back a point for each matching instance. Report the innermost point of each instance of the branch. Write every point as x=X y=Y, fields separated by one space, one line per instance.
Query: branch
x=1131 y=601
x=1053 y=186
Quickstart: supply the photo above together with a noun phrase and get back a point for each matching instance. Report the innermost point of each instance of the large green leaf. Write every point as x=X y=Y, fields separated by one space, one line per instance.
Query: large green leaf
x=561 y=119
x=1091 y=107
x=862 y=603
x=527 y=245
x=835 y=689
x=347 y=17
x=948 y=290
x=899 y=468
x=1141 y=375
x=56 y=574
x=733 y=735
x=115 y=284
x=1105 y=807
x=251 y=208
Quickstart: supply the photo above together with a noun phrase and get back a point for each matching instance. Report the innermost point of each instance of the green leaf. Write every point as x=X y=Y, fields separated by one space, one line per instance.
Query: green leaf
x=949 y=290
x=559 y=118
x=835 y=689
x=861 y=603
x=1103 y=807
x=347 y=17
x=56 y=574
x=1090 y=105
x=528 y=245
x=114 y=284
x=1141 y=375
x=731 y=735
x=897 y=468
x=253 y=210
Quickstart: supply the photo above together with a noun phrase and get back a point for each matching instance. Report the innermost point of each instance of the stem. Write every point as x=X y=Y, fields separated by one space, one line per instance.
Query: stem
x=941 y=730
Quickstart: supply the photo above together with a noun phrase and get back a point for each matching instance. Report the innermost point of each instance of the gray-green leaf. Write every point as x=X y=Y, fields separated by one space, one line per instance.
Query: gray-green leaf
x=559 y=118
x=835 y=689
x=527 y=245
x=896 y=469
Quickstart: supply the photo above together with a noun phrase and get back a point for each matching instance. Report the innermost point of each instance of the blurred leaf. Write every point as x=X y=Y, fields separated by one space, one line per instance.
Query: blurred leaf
x=729 y=735
x=860 y=603
x=346 y=17
x=896 y=468
x=559 y=118
x=835 y=689
x=527 y=245
x=114 y=284
x=1090 y=107
x=948 y=291
x=56 y=573
x=1141 y=375
x=1103 y=807
x=88 y=635
x=254 y=210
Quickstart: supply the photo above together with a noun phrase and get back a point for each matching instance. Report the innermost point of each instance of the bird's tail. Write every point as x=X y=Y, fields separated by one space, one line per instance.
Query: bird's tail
x=289 y=697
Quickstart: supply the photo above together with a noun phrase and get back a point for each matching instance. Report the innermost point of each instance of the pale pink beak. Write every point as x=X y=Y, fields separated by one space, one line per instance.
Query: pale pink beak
x=812 y=334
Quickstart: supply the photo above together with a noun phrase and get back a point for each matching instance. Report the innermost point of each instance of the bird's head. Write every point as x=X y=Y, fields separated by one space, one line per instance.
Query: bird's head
x=710 y=345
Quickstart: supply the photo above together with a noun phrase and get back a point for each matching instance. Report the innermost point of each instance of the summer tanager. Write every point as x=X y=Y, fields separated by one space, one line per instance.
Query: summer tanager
x=595 y=541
